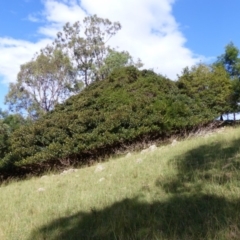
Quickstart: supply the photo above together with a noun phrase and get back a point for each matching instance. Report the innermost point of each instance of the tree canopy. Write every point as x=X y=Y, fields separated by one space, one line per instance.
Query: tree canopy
x=208 y=85
x=42 y=83
x=78 y=56
x=231 y=62
x=86 y=44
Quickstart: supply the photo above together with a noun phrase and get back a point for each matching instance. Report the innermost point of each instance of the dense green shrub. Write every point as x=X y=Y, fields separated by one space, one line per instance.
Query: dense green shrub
x=8 y=124
x=4 y=135
x=127 y=106
x=208 y=85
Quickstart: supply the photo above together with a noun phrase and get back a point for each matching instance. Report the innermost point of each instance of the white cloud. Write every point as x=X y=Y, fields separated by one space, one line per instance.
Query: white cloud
x=14 y=53
x=63 y=11
x=57 y=13
x=149 y=31
x=33 y=18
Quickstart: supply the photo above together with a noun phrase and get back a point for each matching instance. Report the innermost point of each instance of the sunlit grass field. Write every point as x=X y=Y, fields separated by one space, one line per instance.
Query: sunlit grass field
x=186 y=190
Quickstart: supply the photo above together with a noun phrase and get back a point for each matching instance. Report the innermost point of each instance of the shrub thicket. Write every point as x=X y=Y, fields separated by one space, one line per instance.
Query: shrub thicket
x=209 y=85
x=8 y=124
x=127 y=106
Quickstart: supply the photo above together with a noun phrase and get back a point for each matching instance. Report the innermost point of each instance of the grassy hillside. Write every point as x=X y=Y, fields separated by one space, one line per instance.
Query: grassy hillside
x=184 y=190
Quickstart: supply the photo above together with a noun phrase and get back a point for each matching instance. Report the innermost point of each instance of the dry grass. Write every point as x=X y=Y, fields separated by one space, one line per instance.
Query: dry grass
x=186 y=190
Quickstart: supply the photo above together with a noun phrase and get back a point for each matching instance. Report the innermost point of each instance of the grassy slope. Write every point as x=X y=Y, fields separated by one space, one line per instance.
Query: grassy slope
x=187 y=191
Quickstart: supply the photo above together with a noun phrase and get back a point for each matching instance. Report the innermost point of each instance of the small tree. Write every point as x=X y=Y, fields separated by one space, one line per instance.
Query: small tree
x=42 y=83
x=209 y=85
x=231 y=62
x=115 y=60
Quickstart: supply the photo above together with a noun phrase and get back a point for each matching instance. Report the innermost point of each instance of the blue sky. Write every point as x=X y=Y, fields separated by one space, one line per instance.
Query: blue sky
x=167 y=35
x=208 y=25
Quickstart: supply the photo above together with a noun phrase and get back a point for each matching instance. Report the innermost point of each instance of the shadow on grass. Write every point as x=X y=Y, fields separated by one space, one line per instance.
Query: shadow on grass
x=217 y=163
x=187 y=214
x=194 y=217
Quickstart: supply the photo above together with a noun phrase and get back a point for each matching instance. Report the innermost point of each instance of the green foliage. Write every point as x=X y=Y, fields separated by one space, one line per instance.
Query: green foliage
x=86 y=44
x=8 y=124
x=235 y=97
x=230 y=60
x=78 y=56
x=42 y=83
x=4 y=134
x=210 y=86
x=126 y=107
x=115 y=60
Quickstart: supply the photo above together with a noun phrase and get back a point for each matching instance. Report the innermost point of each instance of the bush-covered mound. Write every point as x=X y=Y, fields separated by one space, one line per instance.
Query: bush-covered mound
x=126 y=107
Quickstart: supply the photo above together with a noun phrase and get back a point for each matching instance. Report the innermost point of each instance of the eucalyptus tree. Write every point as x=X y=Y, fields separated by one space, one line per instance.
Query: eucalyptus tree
x=87 y=46
x=78 y=56
x=49 y=78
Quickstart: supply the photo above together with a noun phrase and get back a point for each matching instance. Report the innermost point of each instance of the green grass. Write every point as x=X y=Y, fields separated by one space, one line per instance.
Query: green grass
x=187 y=191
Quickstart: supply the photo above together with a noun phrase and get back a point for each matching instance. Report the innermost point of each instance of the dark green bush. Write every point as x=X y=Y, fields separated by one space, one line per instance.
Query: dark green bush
x=8 y=124
x=124 y=108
